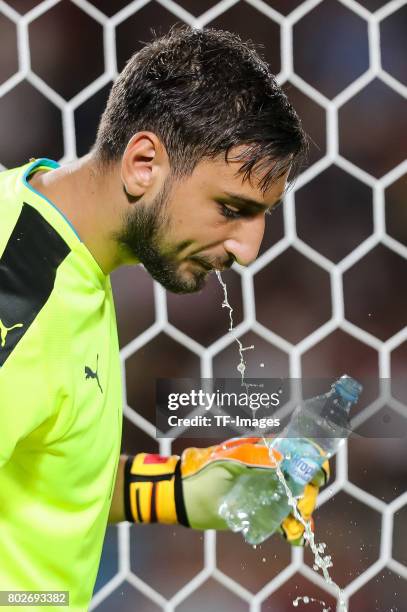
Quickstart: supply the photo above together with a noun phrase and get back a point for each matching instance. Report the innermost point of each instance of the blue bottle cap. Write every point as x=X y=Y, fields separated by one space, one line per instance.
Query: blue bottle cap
x=348 y=388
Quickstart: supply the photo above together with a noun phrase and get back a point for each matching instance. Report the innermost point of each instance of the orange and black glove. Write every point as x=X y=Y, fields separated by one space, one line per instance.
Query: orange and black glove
x=188 y=489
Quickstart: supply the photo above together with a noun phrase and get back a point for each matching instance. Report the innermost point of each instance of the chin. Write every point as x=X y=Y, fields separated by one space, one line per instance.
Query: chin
x=185 y=283
x=176 y=278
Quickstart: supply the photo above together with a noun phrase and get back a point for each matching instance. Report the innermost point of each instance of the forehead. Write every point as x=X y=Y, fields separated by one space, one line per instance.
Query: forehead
x=218 y=174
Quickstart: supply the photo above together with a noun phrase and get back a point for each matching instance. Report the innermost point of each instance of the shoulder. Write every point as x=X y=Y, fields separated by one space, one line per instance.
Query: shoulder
x=28 y=269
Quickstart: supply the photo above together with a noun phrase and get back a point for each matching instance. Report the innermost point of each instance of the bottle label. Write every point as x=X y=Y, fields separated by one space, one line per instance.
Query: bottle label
x=302 y=459
x=302 y=469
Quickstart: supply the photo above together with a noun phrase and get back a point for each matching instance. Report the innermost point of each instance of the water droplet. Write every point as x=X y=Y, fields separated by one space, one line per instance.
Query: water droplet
x=262 y=365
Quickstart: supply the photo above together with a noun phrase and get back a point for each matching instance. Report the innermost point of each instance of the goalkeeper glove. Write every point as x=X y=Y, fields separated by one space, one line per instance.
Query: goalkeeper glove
x=189 y=489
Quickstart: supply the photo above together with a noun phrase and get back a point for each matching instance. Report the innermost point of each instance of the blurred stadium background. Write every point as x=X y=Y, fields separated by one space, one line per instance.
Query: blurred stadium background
x=328 y=294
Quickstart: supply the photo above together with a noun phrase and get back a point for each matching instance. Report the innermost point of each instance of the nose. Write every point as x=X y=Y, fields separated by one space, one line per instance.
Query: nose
x=244 y=244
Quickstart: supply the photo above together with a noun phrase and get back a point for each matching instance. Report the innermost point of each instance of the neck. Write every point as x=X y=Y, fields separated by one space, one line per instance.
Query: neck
x=88 y=200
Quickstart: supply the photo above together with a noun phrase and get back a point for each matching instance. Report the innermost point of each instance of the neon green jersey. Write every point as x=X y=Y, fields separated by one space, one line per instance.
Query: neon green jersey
x=60 y=397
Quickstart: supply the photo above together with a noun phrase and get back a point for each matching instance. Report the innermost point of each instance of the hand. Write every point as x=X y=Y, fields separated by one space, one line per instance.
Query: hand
x=208 y=474
x=189 y=489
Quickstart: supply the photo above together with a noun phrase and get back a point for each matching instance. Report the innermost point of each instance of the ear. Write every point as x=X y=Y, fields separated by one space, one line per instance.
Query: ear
x=143 y=161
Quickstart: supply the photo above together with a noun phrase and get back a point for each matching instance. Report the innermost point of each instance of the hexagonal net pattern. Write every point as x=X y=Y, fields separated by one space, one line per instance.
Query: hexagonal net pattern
x=334 y=254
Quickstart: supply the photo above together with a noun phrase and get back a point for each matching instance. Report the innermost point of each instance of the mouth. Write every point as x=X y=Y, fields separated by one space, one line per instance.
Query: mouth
x=201 y=263
x=216 y=267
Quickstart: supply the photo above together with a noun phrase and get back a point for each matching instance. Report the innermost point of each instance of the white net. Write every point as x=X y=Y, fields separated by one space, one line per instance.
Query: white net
x=255 y=599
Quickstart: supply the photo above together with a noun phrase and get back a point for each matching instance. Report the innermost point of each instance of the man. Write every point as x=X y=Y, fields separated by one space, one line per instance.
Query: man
x=195 y=146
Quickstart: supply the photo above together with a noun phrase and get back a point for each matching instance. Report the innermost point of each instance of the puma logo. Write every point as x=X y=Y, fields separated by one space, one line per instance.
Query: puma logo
x=4 y=331
x=89 y=373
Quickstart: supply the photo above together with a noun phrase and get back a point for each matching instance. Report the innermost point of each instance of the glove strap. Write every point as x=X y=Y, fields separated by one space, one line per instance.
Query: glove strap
x=153 y=490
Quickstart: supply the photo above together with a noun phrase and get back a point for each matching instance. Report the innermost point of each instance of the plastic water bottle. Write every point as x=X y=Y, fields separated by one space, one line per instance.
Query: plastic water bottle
x=257 y=504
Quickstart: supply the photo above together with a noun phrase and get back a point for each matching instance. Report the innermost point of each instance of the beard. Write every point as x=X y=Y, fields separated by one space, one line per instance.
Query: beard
x=142 y=236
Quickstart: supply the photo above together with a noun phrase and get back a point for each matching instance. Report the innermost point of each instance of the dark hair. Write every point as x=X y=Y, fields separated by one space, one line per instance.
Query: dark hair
x=203 y=92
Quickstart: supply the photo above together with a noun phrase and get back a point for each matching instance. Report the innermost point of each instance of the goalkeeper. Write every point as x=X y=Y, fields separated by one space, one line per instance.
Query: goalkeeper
x=196 y=144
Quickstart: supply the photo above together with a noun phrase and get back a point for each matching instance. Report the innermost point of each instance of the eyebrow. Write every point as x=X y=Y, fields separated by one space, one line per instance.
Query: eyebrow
x=237 y=200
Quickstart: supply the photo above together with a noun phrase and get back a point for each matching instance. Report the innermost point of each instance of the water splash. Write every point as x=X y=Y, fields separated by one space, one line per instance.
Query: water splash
x=320 y=562
x=241 y=367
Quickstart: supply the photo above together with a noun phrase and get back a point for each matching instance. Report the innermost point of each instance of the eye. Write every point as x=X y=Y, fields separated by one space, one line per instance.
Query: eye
x=227 y=212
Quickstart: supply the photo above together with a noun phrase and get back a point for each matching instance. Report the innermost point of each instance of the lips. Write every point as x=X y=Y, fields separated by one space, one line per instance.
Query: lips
x=220 y=267
x=201 y=263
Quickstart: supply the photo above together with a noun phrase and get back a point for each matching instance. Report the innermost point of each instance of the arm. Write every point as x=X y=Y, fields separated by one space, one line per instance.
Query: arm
x=116 y=514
